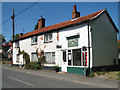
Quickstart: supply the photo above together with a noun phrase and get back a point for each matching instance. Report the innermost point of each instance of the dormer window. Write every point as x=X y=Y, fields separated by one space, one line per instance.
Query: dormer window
x=48 y=37
x=34 y=40
x=17 y=44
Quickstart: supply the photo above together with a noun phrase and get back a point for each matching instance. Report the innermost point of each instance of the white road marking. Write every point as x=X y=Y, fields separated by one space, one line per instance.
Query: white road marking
x=20 y=81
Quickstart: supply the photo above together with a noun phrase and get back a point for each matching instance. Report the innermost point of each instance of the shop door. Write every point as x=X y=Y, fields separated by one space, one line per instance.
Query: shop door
x=64 y=62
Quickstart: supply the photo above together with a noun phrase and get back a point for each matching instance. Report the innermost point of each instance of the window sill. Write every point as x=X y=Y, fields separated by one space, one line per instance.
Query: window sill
x=33 y=44
x=16 y=46
x=49 y=64
x=48 y=41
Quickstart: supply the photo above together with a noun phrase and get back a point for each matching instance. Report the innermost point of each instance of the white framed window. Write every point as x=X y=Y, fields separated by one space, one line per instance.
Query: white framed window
x=34 y=40
x=17 y=58
x=17 y=44
x=50 y=57
x=34 y=57
x=48 y=37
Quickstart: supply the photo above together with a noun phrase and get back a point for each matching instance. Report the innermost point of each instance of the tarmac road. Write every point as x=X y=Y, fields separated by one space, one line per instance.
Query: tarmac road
x=15 y=79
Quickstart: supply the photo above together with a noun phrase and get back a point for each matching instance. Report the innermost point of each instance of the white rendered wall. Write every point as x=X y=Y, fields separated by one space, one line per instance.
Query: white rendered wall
x=82 y=30
x=27 y=47
x=104 y=42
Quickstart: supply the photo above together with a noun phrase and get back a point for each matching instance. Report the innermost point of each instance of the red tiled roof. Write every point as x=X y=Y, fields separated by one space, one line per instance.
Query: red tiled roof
x=10 y=44
x=63 y=24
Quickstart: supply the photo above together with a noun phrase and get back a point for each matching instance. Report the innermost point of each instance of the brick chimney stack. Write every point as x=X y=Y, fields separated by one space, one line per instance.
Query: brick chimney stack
x=41 y=23
x=20 y=34
x=75 y=13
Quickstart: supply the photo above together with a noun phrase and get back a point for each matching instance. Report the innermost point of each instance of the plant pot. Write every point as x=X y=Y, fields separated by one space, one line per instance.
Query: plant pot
x=57 y=69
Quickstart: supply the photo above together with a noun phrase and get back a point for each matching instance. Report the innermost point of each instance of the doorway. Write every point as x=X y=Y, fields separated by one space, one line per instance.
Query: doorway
x=64 y=62
x=77 y=57
x=71 y=58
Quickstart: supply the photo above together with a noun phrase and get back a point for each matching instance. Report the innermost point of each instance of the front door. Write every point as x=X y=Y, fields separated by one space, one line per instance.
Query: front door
x=64 y=62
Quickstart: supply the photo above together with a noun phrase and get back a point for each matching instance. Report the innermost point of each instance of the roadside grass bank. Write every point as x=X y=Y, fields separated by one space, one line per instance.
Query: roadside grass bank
x=114 y=75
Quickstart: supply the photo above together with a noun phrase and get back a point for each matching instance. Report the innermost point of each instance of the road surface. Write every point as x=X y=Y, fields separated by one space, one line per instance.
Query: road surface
x=15 y=79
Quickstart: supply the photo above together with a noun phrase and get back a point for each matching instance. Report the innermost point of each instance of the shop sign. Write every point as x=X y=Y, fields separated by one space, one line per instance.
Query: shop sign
x=72 y=42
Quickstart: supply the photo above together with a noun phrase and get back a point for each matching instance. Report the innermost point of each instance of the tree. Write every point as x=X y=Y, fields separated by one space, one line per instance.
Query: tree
x=15 y=37
x=36 y=26
x=2 y=38
x=41 y=57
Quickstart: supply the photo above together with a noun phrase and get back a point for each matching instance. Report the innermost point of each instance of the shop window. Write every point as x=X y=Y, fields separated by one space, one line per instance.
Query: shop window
x=34 y=40
x=77 y=57
x=34 y=57
x=48 y=37
x=50 y=57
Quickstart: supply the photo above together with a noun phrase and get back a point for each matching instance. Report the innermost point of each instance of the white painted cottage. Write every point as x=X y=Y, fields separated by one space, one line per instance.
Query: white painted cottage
x=63 y=42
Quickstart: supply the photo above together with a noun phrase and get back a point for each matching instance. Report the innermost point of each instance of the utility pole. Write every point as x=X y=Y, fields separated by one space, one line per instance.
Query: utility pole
x=13 y=16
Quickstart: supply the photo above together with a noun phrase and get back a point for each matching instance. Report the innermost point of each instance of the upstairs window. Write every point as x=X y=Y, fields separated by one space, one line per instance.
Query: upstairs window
x=34 y=40
x=48 y=37
x=17 y=44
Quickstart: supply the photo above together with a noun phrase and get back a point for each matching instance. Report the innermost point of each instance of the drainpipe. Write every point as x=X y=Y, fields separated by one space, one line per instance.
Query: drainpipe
x=88 y=49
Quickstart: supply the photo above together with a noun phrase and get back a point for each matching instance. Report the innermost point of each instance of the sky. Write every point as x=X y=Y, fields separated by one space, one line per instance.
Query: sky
x=53 y=12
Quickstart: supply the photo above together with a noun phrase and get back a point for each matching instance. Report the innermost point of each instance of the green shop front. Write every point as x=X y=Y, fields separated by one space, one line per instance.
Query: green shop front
x=75 y=59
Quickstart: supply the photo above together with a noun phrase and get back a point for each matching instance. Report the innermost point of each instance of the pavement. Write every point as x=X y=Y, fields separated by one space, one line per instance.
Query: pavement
x=97 y=82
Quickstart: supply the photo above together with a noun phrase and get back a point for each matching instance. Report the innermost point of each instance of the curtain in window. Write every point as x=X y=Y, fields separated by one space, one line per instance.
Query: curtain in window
x=50 y=57
x=34 y=57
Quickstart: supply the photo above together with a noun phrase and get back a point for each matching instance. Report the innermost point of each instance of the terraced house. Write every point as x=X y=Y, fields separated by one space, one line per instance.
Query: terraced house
x=88 y=41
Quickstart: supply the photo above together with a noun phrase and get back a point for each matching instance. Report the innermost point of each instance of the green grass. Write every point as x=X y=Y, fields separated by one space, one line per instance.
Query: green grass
x=101 y=73
x=115 y=75
x=92 y=74
x=118 y=76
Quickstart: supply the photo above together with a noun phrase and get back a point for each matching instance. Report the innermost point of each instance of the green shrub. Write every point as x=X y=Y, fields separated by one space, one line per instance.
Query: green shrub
x=118 y=74
x=7 y=59
x=26 y=56
x=33 y=65
x=42 y=59
x=4 y=59
x=92 y=74
x=55 y=66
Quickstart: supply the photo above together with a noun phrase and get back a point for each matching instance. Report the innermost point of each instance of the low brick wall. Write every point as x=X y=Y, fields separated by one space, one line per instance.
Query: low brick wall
x=6 y=62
